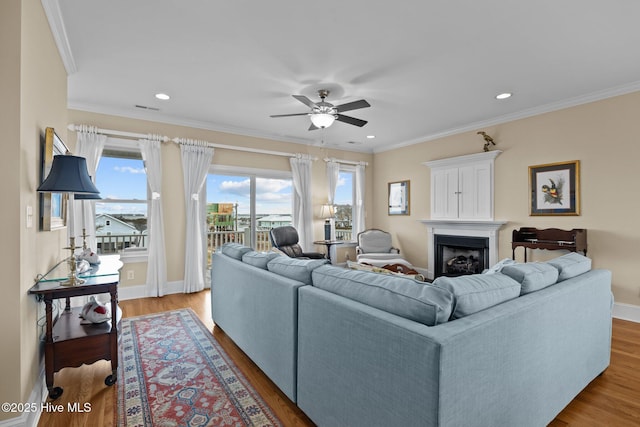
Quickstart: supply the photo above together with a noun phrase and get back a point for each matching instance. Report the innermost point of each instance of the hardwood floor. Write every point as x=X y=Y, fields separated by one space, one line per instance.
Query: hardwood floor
x=613 y=399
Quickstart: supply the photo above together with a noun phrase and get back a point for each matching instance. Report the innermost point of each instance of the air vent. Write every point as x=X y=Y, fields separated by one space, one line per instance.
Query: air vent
x=144 y=107
x=354 y=142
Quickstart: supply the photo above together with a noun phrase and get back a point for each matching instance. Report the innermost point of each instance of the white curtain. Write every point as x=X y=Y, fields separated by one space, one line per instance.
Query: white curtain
x=302 y=207
x=333 y=175
x=82 y=213
x=358 y=208
x=196 y=159
x=156 y=263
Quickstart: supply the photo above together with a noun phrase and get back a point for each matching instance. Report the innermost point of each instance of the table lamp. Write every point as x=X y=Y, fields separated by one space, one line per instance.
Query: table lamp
x=82 y=197
x=327 y=212
x=69 y=175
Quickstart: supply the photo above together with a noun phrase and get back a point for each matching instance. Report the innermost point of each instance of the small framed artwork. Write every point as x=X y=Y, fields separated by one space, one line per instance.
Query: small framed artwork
x=399 y=198
x=555 y=188
x=53 y=206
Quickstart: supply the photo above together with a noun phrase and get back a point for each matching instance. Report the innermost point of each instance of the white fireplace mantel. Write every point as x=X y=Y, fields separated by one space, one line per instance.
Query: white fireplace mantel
x=489 y=229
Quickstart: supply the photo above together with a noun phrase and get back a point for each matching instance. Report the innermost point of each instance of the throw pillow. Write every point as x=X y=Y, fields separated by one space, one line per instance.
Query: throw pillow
x=571 y=265
x=397 y=295
x=533 y=276
x=478 y=292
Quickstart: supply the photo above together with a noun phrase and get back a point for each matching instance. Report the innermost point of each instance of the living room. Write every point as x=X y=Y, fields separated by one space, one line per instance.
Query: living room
x=600 y=131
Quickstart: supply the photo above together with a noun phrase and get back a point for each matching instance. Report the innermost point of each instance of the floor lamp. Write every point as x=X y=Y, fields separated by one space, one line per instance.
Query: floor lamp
x=69 y=175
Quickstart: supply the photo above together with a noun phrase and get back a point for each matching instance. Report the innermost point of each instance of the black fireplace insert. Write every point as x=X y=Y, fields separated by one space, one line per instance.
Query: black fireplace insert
x=460 y=255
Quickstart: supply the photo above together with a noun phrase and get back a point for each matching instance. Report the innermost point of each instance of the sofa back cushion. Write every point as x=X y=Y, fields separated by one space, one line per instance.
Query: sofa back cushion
x=533 y=276
x=259 y=259
x=294 y=268
x=570 y=265
x=477 y=292
x=397 y=295
x=235 y=250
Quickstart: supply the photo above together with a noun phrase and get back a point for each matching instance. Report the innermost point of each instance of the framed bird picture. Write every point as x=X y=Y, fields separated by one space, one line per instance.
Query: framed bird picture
x=555 y=188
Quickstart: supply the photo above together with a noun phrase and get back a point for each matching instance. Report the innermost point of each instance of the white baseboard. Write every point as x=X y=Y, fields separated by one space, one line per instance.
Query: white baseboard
x=626 y=312
x=140 y=291
x=36 y=398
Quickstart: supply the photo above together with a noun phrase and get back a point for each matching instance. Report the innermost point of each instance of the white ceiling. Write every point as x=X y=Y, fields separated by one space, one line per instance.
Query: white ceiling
x=428 y=68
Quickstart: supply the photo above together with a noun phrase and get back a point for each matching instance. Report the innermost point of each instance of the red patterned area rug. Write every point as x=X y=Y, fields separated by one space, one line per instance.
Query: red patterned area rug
x=172 y=372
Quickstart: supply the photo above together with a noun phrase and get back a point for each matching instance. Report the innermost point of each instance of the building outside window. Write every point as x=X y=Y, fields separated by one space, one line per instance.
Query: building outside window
x=121 y=215
x=244 y=204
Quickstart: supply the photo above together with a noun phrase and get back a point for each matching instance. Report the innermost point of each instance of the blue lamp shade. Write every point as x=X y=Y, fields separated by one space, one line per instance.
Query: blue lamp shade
x=68 y=175
x=87 y=196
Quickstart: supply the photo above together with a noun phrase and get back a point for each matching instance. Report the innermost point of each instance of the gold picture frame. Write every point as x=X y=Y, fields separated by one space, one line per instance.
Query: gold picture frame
x=554 y=188
x=399 y=198
x=53 y=206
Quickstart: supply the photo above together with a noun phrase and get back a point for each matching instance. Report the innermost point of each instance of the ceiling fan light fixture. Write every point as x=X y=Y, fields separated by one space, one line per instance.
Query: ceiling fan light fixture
x=322 y=120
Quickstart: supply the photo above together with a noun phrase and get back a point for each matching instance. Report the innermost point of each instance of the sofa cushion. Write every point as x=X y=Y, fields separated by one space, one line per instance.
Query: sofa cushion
x=235 y=250
x=397 y=295
x=533 y=276
x=258 y=259
x=293 y=268
x=571 y=265
x=477 y=292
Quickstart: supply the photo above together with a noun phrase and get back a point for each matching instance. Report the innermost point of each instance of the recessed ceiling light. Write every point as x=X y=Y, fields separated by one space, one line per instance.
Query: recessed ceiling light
x=163 y=96
x=504 y=95
x=370 y=136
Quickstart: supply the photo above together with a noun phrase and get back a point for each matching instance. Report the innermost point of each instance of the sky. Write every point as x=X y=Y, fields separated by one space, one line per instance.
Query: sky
x=118 y=178
x=273 y=196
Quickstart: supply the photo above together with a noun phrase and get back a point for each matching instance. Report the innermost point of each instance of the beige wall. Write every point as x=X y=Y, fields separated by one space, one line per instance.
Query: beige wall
x=603 y=135
x=33 y=87
x=172 y=181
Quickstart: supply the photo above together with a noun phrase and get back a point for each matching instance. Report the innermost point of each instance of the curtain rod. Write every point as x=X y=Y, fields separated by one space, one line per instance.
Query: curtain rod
x=247 y=149
x=346 y=162
x=109 y=132
x=95 y=129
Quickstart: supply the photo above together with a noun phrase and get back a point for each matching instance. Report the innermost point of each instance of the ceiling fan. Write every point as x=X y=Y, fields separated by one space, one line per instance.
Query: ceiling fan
x=323 y=114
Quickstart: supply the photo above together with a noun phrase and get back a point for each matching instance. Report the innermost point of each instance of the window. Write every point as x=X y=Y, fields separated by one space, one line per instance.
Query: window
x=343 y=201
x=244 y=204
x=121 y=215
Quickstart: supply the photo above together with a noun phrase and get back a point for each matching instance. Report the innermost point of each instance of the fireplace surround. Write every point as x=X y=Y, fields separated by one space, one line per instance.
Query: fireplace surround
x=488 y=230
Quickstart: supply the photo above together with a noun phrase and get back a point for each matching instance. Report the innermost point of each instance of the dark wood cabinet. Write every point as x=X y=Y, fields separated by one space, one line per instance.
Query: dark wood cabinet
x=574 y=240
x=68 y=343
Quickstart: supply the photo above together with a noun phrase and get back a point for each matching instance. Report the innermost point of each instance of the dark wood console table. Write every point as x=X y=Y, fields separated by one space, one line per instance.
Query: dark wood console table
x=549 y=238
x=68 y=343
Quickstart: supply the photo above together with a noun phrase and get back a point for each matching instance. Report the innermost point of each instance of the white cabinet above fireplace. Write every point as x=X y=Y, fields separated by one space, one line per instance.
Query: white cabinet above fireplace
x=462 y=187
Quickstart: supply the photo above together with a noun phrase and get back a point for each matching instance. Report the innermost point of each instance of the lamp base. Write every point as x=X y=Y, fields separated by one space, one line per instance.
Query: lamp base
x=73 y=280
x=327 y=230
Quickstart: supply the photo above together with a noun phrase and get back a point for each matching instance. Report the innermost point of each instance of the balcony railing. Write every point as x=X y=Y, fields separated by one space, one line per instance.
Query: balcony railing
x=115 y=243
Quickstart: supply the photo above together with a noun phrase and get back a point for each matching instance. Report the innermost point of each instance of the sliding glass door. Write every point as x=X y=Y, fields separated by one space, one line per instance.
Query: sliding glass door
x=243 y=205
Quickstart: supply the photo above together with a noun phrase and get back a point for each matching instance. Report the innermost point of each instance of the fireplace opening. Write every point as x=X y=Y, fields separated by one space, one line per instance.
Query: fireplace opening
x=460 y=255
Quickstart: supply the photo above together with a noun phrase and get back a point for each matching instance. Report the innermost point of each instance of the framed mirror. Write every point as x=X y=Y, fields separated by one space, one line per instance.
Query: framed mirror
x=399 y=198
x=53 y=206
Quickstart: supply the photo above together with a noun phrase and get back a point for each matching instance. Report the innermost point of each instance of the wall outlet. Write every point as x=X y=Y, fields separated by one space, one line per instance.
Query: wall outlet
x=130 y=275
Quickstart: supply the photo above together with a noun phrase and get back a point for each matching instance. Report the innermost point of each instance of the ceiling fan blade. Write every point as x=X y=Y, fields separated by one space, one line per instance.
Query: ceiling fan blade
x=289 y=115
x=313 y=127
x=352 y=106
x=350 y=120
x=306 y=101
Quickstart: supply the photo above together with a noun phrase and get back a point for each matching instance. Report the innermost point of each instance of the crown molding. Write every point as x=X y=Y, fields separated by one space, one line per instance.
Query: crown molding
x=547 y=108
x=56 y=23
x=196 y=124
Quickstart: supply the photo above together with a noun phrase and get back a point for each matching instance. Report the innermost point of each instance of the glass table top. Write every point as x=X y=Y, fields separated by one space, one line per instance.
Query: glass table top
x=109 y=264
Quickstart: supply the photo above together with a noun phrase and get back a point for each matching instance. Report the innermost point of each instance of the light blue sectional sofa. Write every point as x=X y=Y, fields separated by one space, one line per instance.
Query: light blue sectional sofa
x=354 y=348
